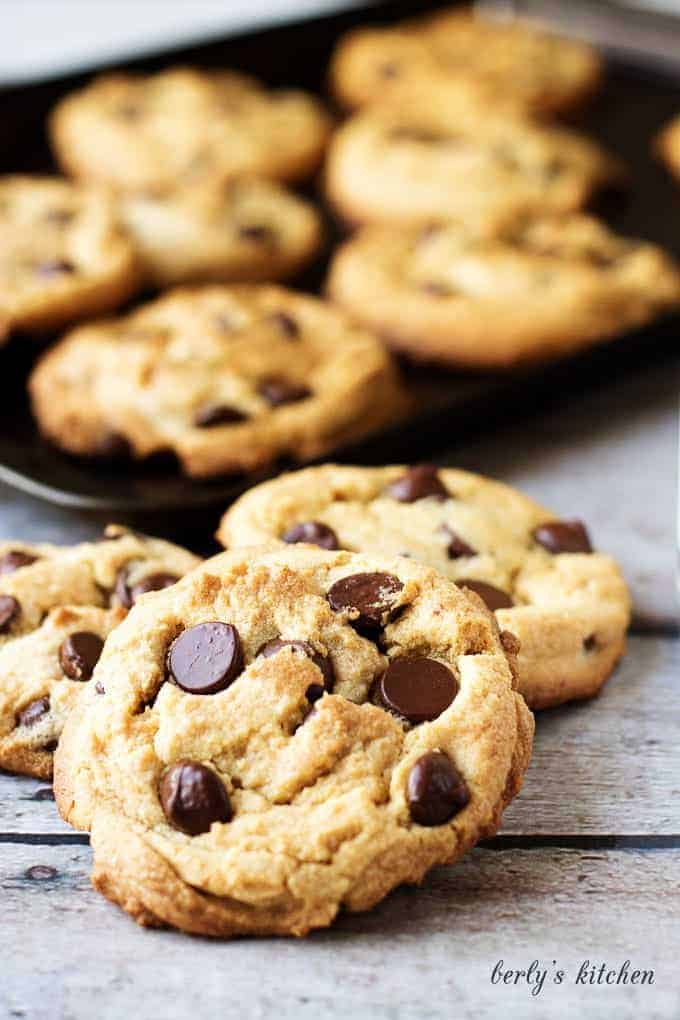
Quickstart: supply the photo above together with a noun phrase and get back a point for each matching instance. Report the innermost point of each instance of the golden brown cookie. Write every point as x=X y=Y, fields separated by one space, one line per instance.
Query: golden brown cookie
x=416 y=164
x=186 y=127
x=453 y=51
x=543 y=288
x=287 y=733
x=568 y=605
x=229 y=378
x=63 y=254
x=57 y=606
x=240 y=230
x=667 y=144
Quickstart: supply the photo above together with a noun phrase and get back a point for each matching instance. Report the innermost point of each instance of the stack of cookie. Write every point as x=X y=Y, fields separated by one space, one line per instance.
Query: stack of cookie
x=342 y=699
x=472 y=250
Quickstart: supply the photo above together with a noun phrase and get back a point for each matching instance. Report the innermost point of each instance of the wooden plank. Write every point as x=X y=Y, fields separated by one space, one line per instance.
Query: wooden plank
x=427 y=953
x=608 y=766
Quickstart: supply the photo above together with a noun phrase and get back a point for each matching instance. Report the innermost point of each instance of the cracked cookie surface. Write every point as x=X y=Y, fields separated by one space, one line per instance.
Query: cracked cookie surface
x=186 y=127
x=568 y=606
x=461 y=161
x=229 y=378
x=290 y=732
x=540 y=289
x=57 y=606
x=543 y=74
x=63 y=254
x=241 y=230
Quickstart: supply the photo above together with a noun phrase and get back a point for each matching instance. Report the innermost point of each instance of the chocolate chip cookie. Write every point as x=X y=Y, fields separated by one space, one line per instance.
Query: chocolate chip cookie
x=241 y=230
x=417 y=164
x=63 y=254
x=229 y=378
x=667 y=144
x=539 y=289
x=57 y=606
x=568 y=605
x=186 y=127
x=287 y=733
x=441 y=54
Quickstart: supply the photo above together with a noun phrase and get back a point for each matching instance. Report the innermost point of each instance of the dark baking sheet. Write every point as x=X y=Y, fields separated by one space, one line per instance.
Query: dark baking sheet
x=448 y=406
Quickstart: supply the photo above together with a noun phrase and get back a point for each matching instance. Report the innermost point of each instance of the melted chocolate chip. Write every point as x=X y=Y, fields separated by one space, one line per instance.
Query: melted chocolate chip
x=205 y=659
x=286 y=324
x=53 y=267
x=256 y=232
x=121 y=589
x=563 y=537
x=114 y=446
x=153 y=582
x=323 y=662
x=33 y=712
x=495 y=598
x=435 y=789
x=59 y=217
x=437 y=289
x=314 y=692
x=9 y=610
x=217 y=414
x=417 y=688
x=418 y=483
x=313 y=532
x=79 y=654
x=14 y=559
x=590 y=643
x=370 y=597
x=456 y=548
x=277 y=391
x=193 y=797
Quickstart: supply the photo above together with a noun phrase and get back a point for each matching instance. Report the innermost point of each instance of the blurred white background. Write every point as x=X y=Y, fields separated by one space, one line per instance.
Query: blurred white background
x=39 y=38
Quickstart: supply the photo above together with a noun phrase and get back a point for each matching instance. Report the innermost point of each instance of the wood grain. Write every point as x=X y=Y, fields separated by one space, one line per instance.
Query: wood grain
x=608 y=766
x=425 y=953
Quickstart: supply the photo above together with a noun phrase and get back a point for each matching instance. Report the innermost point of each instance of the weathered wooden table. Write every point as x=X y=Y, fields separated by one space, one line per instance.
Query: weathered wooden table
x=582 y=882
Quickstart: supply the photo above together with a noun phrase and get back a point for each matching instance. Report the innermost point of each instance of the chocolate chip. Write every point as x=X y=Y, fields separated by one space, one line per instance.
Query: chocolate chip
x=435 y=789
x=286 y=324
x=14 y=559
x=257 y=233
x=456 y=547
x=277 y=390
x=495 y=598
x=54 y=267
x=129 y=111
x=563 y=537
x=193 y=797
x=421 y=135
x=389 y=70
x=370 y=596
x=33 y=712
x=417 y=688
x=314 y=692
x=437 y=289
x=313 y=532
x=205 y=659
x=217 y=414
x=9 y=610
x=44 y=793
x=152 y=582
x=114 y=446
x=59 y=217
x=590 y=643
x=418 y=483
x=323 y=662
x=79 y=654
x=40 y=872
x=99 y=687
